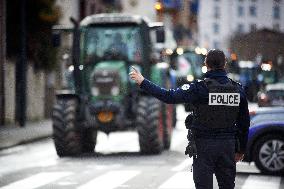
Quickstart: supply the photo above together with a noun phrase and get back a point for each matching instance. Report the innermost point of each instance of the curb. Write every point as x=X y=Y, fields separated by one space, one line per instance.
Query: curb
x=11 y=136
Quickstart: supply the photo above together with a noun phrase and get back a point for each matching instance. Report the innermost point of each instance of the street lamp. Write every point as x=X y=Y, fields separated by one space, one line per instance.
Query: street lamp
x=158 y=6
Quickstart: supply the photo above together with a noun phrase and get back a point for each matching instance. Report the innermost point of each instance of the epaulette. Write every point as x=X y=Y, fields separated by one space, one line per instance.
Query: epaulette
x=200 y=82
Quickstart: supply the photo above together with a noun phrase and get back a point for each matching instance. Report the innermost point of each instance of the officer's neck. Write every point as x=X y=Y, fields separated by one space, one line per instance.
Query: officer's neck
x=218 y=69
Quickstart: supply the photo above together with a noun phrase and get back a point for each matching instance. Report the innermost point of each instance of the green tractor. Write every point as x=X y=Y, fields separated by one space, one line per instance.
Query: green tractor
x=101 y=96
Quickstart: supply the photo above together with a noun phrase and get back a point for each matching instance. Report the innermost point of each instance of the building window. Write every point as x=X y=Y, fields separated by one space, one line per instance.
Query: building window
x=216 y=28
x=252 y=10
x=216 y=44
x=276 y=12
x=216 y=12
x=253 y=27
x=240 y=28
x=276 y=27
x=240 y=11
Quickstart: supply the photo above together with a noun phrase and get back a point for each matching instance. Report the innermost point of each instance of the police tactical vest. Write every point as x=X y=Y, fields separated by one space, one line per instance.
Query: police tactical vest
x=222 y=108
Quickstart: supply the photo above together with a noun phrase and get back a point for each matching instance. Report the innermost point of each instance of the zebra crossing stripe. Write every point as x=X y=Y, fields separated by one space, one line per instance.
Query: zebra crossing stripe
x=110 y=180
x=262 y=182
x=181 y=140
x=186 y=164
x=179 y=180
x=37 y=180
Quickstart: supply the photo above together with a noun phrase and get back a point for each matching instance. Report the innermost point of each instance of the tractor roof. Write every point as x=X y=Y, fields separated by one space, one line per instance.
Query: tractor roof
x=114 y=18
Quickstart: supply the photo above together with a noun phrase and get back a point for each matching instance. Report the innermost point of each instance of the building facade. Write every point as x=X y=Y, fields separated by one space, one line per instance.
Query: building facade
x=2 y=59
x=69 y=8
x=144 y=8
x=89 y=7
x=220 y=20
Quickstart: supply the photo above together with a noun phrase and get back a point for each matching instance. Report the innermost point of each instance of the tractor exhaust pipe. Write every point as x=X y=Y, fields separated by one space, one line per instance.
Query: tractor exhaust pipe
x=76 y=56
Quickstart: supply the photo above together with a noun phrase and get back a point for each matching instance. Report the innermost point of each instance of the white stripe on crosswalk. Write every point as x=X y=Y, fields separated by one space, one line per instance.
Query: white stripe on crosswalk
x=37 y=180
x=179 y=180
x=110 y=180
x=186 y=164
x=262 y=182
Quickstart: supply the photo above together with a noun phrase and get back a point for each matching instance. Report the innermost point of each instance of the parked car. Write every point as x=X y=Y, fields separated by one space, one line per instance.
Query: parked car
x=272 y=96
x=266 y=140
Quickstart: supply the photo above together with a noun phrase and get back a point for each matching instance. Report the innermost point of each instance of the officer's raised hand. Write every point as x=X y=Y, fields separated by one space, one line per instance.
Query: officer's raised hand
x=136 y=76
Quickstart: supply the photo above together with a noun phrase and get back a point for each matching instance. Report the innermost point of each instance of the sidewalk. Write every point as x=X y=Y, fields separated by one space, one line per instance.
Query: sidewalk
x=13 y=135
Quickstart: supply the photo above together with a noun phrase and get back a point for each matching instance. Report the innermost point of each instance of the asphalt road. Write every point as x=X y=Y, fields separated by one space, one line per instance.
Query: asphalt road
x=116 y=164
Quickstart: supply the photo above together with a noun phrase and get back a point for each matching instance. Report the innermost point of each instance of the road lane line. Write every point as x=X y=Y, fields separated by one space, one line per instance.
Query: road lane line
x=262 y=182
x=186 y=164
x=37 y=180
x=179 y=139
x=179 y=180
x=110 y=180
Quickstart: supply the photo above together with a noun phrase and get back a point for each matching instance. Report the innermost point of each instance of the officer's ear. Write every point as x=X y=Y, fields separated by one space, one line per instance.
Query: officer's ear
x=208 y=67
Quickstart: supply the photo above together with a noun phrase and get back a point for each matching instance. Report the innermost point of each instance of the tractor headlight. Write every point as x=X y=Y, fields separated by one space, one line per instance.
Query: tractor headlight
x=190 y=78
x=114 y=91
x=204 y=69
x=95 y=91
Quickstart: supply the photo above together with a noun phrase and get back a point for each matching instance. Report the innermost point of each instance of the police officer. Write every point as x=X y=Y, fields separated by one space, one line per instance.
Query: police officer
x=220 y=120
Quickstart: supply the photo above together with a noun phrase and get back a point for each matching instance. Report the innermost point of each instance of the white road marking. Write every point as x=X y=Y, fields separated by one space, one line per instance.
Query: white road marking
x=110 y=180
x=47 y=163
x=179 y=180
x=262 y=182
x=32 y=155
x=117 y=142
x=37 y=180
x=179 y=139
x=186 y=164
x=246 y=167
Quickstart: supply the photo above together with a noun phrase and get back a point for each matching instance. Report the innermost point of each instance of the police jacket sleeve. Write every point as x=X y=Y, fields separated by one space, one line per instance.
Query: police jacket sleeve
x=243 y=123
x=185 y=94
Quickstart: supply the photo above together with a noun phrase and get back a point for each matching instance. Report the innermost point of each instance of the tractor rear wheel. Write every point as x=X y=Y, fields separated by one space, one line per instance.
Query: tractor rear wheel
x=67 y=138
x=150 y=125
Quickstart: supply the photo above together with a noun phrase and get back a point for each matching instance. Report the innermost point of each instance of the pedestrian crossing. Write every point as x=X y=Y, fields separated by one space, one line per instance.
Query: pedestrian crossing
x=179 y=180
x=183 y=165
x=110 y=180
x=37 y=180
x=121 y=179
x=262 y=182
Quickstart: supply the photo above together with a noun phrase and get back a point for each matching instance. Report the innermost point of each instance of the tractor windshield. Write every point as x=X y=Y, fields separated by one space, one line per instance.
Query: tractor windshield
x=196 y=61
x=113 y=42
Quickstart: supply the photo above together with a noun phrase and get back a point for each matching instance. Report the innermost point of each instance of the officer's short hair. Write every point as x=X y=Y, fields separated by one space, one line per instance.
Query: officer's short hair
x=215 y=59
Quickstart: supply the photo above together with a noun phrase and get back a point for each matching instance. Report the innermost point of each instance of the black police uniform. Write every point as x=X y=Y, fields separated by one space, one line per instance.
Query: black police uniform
x=215 y=140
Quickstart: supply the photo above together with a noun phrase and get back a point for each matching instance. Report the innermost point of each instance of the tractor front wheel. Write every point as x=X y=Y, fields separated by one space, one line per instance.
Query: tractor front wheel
x=67 y=138
x=150 y=125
